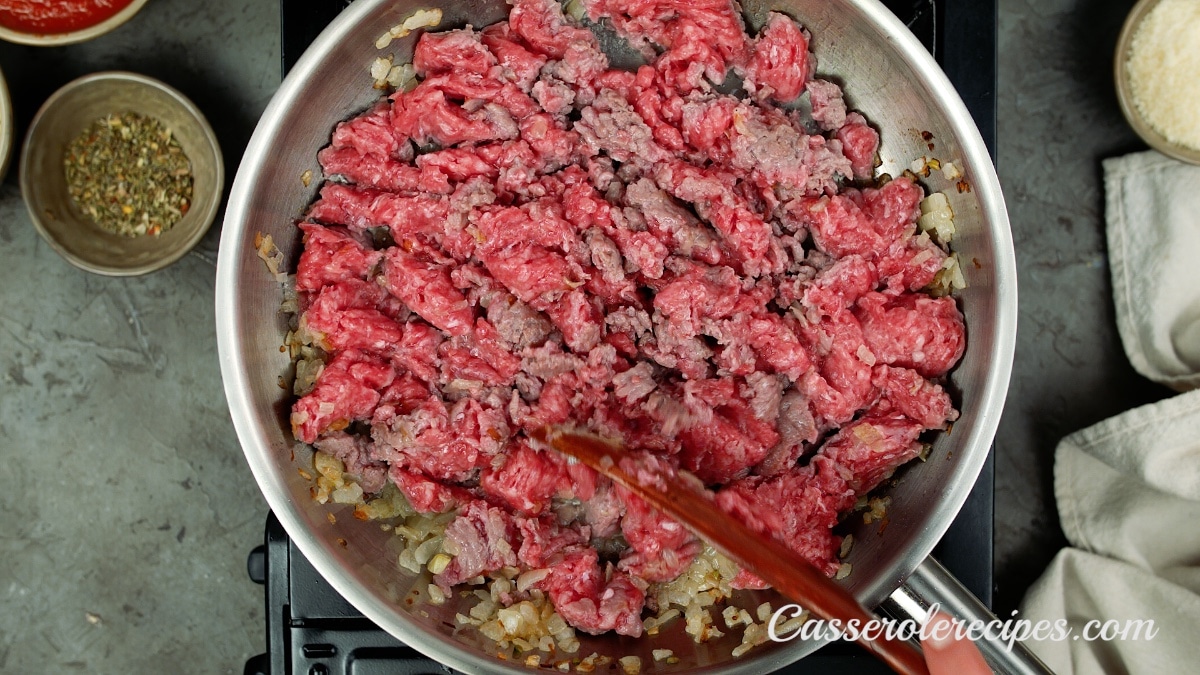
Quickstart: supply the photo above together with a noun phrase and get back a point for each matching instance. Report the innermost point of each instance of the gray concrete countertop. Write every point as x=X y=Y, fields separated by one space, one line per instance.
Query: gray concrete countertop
x=1057 y=119
x=128 y=508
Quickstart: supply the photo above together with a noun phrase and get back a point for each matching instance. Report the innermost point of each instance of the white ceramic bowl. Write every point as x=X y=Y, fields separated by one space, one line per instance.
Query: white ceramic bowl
x=81 y=35
x=1124 y=86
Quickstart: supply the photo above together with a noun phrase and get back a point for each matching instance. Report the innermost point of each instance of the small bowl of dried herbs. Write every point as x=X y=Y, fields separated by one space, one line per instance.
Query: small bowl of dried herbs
x=121 y=173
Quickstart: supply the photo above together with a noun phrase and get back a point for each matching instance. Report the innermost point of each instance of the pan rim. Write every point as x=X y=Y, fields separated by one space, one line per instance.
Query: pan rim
x=233 y=255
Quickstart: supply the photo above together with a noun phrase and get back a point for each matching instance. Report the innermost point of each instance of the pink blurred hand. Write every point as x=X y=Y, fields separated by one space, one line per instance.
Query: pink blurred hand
x=951 y=656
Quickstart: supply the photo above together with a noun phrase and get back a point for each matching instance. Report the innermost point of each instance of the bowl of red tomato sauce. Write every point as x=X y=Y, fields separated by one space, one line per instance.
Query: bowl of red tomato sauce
x=62 y=22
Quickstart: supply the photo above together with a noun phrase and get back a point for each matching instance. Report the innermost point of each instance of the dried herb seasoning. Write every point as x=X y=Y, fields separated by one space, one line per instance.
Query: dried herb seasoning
x=129 y=174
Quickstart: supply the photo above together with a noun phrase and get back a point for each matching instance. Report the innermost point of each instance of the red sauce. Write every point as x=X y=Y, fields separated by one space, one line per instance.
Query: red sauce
x=56 y=16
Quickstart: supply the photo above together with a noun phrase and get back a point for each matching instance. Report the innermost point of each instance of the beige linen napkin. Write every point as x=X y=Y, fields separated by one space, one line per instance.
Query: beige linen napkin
x=1128 y=489
x=1153 y=213
x=1128 y=492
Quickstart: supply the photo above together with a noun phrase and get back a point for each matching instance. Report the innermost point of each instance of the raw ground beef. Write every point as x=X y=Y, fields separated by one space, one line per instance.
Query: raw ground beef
x=529 y=238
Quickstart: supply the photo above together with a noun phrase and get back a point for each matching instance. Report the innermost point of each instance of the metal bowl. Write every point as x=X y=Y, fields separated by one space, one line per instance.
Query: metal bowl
x=73 y=234
x=81 y=35
x=887 y=74
x=1125 y=89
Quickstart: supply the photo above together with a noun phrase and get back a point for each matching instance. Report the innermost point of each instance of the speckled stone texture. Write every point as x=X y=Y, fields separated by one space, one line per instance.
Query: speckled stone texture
x=127 y=508
x=1057 y=119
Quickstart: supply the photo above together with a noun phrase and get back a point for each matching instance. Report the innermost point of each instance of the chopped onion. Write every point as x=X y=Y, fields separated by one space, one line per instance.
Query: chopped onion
x=380 y=67
x=937 y=217
x=865 y=355
x=425 y=552
x=422 y=18
x=350 y=493
x=439 y=563
x=530 y=578
x=764 y=610
x=271 y=255
x=575 y=9
x=847 y=544
x=402 y=77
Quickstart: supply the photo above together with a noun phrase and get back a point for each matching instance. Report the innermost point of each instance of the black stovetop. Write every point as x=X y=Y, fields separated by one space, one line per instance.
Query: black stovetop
x=313 y=630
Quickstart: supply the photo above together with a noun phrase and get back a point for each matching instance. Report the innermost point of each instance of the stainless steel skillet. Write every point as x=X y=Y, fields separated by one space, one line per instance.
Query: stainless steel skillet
x=887 y=74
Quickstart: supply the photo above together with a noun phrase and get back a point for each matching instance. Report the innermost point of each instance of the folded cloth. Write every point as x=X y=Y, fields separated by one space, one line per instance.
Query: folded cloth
x=1153 y=214
x=1128 y=493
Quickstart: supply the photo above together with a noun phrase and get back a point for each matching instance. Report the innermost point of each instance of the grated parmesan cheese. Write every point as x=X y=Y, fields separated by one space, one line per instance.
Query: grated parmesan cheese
x=1164 y=70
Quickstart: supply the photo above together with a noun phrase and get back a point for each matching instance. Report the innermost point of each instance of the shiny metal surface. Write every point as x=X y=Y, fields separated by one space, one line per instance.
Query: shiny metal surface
x=887 y=75
x=931 y=584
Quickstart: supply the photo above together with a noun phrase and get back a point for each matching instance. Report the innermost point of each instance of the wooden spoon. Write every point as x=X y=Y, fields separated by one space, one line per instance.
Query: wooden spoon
x=775 y=563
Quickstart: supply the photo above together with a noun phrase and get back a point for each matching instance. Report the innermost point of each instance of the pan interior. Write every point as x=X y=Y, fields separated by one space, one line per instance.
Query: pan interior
x=886 y=74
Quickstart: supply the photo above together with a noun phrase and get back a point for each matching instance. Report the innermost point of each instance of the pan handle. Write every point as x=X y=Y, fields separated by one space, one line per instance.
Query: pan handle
x=931 y=583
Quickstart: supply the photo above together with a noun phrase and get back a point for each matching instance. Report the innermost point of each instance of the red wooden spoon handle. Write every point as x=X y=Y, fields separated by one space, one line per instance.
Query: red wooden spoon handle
x=792 y=576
